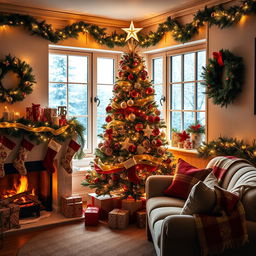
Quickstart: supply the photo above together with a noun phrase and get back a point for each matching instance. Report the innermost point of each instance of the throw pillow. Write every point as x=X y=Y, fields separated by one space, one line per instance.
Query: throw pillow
x=184 y=179
x=200 y=200
x=211 y=180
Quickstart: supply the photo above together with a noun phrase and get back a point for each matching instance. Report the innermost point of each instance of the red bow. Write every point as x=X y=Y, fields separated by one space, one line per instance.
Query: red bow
x=183 y=136
x=218 y=57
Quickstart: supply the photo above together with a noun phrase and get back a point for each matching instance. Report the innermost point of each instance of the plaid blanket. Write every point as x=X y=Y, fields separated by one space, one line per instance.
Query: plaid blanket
x=225 y=228
x=220 y=165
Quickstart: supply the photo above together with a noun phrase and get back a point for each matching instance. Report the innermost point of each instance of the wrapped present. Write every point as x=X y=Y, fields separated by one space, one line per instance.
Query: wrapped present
x=105 y=203
x=62 y=121
x=36 y=112
x=29 y=114
x=91 y=216
x=187 y=144
x=141 y=219
x=48 y=114
x=9 y=217
x=71 y=206
x=118 y=218
x=132 y=206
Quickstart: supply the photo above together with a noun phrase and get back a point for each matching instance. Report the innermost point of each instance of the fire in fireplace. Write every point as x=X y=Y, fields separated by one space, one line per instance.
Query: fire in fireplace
x=25 y=198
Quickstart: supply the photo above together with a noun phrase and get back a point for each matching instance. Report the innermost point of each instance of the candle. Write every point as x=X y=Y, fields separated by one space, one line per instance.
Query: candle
x=16 y=116
x=6 y=114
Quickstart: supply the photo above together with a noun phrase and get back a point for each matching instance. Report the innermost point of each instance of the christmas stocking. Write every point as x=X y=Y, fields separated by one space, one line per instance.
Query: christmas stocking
x=52 y=150
x=71 y=150
x=6 y=146
x=19 y=161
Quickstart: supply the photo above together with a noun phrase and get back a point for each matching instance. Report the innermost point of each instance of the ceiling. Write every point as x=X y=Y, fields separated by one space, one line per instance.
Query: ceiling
x=115 y=9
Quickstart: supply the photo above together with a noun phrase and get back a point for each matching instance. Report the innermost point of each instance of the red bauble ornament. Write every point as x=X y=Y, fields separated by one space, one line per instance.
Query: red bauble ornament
x=121 y=62
x=120 y=74
x=106 y=143
x=143 y=116
x=150 y=119
x=125 y=68
x=139 y=127
x=149 y=90
x=87 y=176
x=156 y=132
x=108 y=119
x=134 y=94
x=143 y=77
x=109 y=131
x=158 y=112
x=158 y=143
x=108 y=108
x=96 y=180
x=144 y=72
x=156 y=119
x=150 y=106
x=130 y=77
x=135 y=63
x=132 y=148
x=116 y=146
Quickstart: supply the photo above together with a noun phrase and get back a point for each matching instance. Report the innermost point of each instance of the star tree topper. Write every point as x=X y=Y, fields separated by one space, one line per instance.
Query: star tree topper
x=132 y=32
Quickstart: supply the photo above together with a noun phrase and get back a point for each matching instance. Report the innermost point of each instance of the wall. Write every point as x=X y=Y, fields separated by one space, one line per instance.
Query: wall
x=237 y=120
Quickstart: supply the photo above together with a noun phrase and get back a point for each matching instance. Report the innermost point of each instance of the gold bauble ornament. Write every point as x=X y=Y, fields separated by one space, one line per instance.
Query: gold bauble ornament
x=130 y=103
x=137 y=85
x=120 y=159
x=123 y=105
x=132 y=117
x=162 y=135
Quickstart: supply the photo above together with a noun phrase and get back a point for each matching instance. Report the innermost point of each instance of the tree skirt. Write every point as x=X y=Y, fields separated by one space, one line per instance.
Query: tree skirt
x=77 y=240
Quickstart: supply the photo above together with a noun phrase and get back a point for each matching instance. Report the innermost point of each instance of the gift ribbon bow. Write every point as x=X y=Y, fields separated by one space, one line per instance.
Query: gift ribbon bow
x=218 y=57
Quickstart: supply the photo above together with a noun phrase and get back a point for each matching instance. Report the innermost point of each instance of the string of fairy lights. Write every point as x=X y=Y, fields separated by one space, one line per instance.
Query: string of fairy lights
x=216 y=15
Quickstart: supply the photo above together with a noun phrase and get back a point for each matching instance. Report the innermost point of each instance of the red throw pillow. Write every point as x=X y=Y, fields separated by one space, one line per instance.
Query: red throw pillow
x=184 y=179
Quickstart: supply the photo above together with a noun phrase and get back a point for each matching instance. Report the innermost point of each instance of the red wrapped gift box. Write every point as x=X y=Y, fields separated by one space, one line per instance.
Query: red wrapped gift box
x=91 y=216
x=105 y=203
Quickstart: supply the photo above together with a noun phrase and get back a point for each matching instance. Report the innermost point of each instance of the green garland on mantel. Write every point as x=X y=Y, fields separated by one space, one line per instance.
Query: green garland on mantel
x=216 y=15
x=225 y=146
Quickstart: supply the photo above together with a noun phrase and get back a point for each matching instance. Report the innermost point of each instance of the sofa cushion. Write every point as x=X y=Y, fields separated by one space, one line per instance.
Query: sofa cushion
x=163 y=201
x=211 y=180
x=161 y=213
x=157 y=231
x=200 y=200
x=184 y=179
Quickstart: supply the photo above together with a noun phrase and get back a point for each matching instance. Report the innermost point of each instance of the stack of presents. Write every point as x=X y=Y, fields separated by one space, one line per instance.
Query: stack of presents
x=119 y=213
x=9 y=217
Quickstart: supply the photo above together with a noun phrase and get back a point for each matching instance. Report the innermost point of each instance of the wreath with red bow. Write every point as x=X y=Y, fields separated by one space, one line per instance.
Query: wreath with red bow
x=223 y=77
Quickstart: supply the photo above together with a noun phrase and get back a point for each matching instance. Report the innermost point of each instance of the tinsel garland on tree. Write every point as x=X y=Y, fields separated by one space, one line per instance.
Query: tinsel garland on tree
x=216 y=15
x=225 y=146
x=74 y=129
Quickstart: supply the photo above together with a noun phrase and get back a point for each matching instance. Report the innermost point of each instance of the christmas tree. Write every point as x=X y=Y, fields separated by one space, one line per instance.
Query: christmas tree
x=134 y=143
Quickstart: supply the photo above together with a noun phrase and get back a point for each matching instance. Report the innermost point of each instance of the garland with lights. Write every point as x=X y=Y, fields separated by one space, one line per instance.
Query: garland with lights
x=216 y=15
x=227 y=65
x=43 y=131
x=224 y=146
x=26 y=79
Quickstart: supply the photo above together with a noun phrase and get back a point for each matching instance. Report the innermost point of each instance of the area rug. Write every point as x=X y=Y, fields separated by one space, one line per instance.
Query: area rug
x=77 y=240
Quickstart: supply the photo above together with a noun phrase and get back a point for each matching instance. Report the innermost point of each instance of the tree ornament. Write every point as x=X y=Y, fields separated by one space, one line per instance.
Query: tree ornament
x=159 y=143
x=126 y=144
x=134 y=94
x=147 y=131
x=149 y=90
x=138 y=127
x=88 y=176
x=141 y=150
x=156 y=119
x=132 y=117
x=132 y=148
x=130 y=77
x=108 y=151
x=130 y=103
x=121 y=73
x=111 y=182
x=123 y=176
x=123 y=105
x=26 y=79
x=120 y=159
x=108 y=108
x=96 y=180
x=108 y=119
x=137 y=85
x=156 y=132
x=120 y=117
x=103 y=177
x=157 y=112
x=163 y=134
x=150 y=119
x=224 y=63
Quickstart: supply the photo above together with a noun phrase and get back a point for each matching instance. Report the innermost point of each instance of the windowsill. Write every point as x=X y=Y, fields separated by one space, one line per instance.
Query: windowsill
x=82 y=165
x=190 y=151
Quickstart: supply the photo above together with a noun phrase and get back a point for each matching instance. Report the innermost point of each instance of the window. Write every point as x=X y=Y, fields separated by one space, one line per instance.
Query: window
x=177 y=78
x=83 y=82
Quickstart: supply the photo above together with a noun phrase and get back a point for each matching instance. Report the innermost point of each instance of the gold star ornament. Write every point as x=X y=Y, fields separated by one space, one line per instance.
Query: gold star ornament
x=132 y=32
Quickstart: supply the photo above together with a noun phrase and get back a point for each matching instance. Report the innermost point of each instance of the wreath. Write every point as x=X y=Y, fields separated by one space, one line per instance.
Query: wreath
x=26 y=79
x=223 y=77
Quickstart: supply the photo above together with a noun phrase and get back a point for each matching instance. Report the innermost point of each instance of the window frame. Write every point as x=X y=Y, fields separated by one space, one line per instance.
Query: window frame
x=91 y=89
x=166 y=54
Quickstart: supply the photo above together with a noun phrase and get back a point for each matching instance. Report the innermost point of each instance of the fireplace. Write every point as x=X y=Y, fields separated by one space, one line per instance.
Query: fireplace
x=32 y=192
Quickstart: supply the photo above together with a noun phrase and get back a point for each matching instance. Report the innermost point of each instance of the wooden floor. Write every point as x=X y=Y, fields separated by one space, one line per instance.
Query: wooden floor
x=12 y=243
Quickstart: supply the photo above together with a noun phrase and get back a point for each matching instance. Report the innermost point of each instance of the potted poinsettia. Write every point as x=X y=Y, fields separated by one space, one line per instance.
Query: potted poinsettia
x=196 y=134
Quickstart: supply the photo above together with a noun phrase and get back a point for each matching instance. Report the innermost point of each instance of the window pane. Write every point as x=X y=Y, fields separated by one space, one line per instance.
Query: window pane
x=189 y=118
x=176 y=120
x=104 y=93
x=77 y=102
x=84 y=122
x=158 y=71
x=77 y=69
x=176 y=96
x=57 y=95
x=105 y=71
x=176 y=68
x=200 y=97
x=201 y=117
x=159 y=93
x=57 y=68
x=100 y=123
x=201 y=58
x=189 y=96
x=189 y=67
